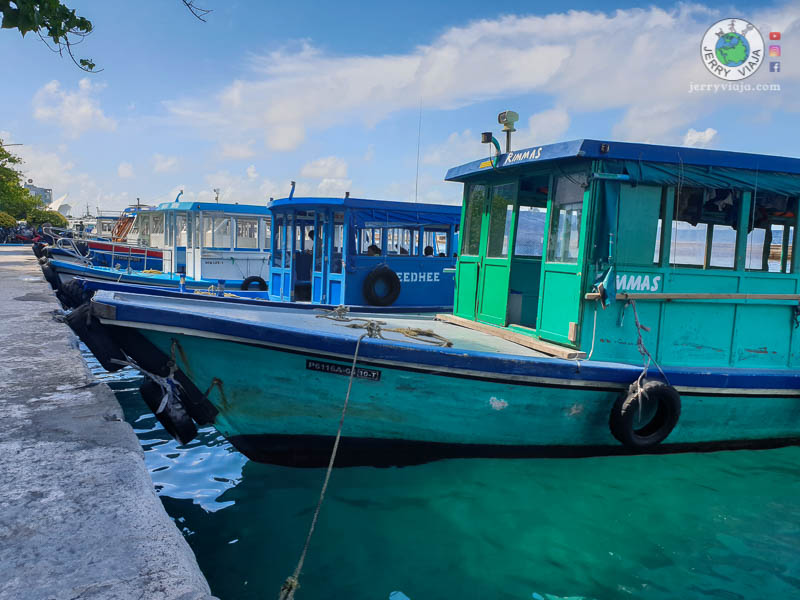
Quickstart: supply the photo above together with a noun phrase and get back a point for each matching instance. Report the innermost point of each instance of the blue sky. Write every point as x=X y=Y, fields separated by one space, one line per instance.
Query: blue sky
x=329 y=94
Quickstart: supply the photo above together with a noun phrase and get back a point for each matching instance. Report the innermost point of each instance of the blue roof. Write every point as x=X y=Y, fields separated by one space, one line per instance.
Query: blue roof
x=307 y=203
x=249 y=209
x=591 y=149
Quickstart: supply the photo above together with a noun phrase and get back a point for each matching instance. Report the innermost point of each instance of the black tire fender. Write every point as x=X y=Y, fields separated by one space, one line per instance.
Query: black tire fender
x=656 y=430
x=51 y=276
x=72 y=294
x=390 y=280
x=262 y=285
x=96 y=337
x=169 y=412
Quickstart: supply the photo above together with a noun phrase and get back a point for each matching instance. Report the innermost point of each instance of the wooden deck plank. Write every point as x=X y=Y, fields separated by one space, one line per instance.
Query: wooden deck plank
x=513 y=336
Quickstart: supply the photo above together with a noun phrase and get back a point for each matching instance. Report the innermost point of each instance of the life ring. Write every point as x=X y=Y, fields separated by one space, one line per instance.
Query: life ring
x=262 y=285
x=169 y=412
x=381 y=286
x=642 y=420
x=96 y=337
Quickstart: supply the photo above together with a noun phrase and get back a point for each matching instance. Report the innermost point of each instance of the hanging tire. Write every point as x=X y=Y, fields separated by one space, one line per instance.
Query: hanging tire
x=170 y=413
x=644 y=427
x=72 y=294
x=37 y=249
x=262 y=285
x=96 y=337
x=381 y=286
x=51 y=276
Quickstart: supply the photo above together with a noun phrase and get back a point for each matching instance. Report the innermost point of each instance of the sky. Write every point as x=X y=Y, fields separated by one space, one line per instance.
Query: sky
x=378 y=99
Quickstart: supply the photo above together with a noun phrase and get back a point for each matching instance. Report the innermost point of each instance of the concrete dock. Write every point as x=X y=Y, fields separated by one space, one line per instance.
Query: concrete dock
x=79 y=517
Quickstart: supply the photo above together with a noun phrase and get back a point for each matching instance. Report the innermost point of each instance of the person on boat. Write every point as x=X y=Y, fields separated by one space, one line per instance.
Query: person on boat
x=373 y=250
x=428 y=251
x=309 y=250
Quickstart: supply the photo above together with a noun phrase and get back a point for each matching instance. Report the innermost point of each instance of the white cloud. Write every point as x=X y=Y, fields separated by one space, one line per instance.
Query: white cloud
x=328 y=167
x=456 y=149
x=334 y=187
x=545 y=127
x=700 y=139
x=251 y=172
x=50 y=169
x=74 y=111
x=638 y=62
x=370 y=153
x=237 y=150
x=125 y=170
x=164 y=164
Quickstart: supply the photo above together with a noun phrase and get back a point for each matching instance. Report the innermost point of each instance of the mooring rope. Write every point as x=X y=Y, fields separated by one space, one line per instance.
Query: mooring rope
x=293 y=581
x=167 y=384
x=376 y=328
x=647 y=358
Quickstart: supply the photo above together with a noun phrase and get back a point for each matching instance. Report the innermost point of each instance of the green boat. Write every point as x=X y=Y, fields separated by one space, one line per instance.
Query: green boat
x=610 y=298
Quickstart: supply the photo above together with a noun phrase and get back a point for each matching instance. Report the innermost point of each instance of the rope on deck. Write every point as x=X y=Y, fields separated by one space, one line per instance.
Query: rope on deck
x=376 y=328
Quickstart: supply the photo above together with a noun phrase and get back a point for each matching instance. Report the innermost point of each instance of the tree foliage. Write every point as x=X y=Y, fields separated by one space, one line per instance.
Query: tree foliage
x=57 y=26
x=6 y=220
x=37 y=217
x=14 y=199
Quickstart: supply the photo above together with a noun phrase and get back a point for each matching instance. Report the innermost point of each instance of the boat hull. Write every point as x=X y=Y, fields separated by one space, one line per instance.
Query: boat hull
x=282 y=403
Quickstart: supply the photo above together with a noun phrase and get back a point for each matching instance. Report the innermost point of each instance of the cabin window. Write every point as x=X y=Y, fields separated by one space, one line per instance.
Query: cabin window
x=703 y=230
x=180 y=227
x=216 y=232
x=434 y=243
x=530 y=231
x=277 y=254
x=338 y=243
x=266 y=228
x=500 y=217
x=369 y=242
x=399 y=241
x=158 y=223
x=771 y=237
x=563 y=241
x=320 y=239
x=246 y=233
x=473 y=213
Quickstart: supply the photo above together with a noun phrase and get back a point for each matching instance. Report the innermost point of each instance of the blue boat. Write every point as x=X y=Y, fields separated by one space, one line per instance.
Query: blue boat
x=326 y=251
x=610 y=298
x=356 y=251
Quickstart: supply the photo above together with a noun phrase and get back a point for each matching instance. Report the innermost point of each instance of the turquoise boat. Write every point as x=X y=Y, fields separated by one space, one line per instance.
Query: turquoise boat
x=611 y=298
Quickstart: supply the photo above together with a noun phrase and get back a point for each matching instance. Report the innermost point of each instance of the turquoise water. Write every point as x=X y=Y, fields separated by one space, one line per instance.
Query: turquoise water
x=721 y=525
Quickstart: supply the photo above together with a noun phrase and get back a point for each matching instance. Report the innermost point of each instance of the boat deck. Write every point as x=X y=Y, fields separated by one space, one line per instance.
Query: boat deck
x=302 y=319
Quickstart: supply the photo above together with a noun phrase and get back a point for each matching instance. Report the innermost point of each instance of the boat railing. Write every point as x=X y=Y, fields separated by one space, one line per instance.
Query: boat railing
x=70 y=247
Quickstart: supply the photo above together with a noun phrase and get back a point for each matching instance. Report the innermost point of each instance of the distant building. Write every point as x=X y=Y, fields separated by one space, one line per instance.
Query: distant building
x=45 y=195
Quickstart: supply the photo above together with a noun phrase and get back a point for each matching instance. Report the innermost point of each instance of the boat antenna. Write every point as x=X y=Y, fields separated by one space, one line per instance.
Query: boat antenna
x=419 y=139
x=291 y=191
x=216 y=195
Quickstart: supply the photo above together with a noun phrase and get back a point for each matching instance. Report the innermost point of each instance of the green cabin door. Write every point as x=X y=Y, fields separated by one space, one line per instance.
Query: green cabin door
x=484 y=263
x=562 y=280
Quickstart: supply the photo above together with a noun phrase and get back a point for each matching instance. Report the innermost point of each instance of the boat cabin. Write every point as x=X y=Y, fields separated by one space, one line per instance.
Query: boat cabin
x=355 y=251
x=573 y=244
x=104 y=225
x=211 y=241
